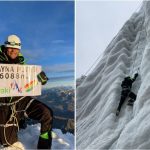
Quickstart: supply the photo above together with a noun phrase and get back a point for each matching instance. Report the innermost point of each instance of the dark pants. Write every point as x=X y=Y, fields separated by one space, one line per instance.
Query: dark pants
x=124 y=95
x=36 y=110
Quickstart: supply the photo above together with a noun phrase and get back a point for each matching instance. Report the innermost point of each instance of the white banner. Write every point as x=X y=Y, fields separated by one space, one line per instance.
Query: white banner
x=19 y=80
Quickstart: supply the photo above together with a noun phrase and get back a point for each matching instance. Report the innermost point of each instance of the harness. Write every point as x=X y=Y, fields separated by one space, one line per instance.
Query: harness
x=13 y=117
x=126 y=88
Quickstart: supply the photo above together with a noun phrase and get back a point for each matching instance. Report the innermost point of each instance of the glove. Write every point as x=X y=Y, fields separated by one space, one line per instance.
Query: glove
x=136 y=75
x=42 y=78
x=21 y=60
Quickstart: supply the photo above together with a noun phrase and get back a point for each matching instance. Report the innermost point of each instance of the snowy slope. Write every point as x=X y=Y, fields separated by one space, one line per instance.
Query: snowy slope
x=99 y=94
x=29 y=138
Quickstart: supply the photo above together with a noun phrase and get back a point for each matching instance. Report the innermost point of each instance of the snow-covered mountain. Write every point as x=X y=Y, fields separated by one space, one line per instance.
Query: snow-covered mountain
x=28 y=139
x=99 y=94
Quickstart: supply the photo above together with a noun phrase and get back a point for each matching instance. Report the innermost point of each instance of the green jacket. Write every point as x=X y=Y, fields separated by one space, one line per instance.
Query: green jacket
x=4 y=59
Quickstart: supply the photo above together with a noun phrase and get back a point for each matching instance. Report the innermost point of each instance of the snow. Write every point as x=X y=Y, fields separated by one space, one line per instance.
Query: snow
x=29 y=138
x=99 y=94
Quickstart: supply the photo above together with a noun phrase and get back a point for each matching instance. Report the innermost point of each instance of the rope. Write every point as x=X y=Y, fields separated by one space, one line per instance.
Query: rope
x=93 y=65
x=25 y=114
x=12 y=118
x=12 y=103
x=140 y=4
x=111 y=42
x=137 y=49
x=146 y=36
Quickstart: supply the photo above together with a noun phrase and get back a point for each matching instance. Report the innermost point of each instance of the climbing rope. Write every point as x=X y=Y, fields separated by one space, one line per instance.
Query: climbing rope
x=88 y=70
x=139 y=6
x=132 y=70
x=93 y=64
x=12 y=119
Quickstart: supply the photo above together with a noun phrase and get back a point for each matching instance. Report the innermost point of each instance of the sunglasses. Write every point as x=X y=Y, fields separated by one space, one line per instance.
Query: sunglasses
x=13 y=43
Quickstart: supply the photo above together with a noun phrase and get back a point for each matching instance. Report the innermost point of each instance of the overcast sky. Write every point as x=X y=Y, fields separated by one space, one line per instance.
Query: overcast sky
x=97 y=22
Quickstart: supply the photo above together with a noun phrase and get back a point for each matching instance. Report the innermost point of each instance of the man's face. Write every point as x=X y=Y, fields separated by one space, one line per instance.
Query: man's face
x=12 y=52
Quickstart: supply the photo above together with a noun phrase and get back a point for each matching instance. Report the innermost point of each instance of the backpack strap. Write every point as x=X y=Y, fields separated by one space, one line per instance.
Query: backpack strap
x=21 y=59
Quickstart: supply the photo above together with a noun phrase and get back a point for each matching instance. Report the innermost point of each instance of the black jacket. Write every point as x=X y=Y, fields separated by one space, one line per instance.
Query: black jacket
x=127 y=82
x=4 y=59
x=21 y=107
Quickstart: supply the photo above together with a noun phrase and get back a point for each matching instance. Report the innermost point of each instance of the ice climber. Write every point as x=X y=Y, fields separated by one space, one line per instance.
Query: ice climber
x=13 y=109
x=126 y=92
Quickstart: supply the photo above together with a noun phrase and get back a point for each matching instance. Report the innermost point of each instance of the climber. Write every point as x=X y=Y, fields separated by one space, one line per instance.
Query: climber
x=16 y=108
x=126 y=92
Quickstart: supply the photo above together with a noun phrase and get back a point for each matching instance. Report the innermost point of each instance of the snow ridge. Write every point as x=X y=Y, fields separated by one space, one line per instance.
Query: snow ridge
x=99 y=94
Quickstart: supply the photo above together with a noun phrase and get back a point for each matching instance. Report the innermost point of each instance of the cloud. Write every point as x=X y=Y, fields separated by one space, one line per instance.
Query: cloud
x=33 y=53
x=41 y=55
x=60 y=50
x=59 y=84
x=61 y=78
x=60 y=68
x=57 y=41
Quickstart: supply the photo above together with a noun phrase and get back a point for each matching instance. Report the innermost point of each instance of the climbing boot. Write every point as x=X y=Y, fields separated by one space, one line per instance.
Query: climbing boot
x=45 y=140
x=131 y=102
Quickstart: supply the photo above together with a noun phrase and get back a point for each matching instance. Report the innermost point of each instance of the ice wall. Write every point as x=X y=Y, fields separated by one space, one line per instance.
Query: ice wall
x=98 y=96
